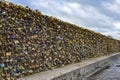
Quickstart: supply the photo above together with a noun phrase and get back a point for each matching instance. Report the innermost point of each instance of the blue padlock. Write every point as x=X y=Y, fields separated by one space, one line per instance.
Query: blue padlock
x=2 y=65
x=36 y=32
x=18 y=70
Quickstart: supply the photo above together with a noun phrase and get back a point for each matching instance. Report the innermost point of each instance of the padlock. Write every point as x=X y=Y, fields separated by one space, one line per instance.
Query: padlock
x=30 y=71
x=2 y=65
x=12 y=37
x=16 y=41
x=8 y=54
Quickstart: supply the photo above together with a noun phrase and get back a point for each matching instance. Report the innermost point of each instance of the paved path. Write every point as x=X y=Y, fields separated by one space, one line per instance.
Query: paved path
x=111 y=73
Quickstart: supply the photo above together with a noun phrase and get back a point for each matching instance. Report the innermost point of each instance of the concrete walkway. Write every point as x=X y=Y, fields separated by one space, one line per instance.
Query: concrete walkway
x=111 y=73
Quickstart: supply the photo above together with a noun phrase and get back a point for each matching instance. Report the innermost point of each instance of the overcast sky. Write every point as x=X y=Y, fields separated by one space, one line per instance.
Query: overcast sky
x=101 y=16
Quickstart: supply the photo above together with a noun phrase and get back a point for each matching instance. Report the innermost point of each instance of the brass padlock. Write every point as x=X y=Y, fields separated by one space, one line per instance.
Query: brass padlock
x=8 y=54
x=16 y=41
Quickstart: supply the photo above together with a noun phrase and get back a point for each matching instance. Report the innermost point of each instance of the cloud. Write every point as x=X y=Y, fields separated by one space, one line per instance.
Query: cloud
x=114 y=34
x=73 y=12
x=20 y=2
x=117 y=25
x=113 y=6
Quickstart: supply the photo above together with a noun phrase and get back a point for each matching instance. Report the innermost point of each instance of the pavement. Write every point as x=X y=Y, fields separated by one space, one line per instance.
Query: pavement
x=109 y=73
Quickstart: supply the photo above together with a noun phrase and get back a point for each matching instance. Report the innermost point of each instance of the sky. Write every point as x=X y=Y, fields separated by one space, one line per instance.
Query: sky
x=101 y=16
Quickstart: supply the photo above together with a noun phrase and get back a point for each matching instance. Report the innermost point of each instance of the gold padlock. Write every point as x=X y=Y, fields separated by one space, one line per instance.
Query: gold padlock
x=33 y=48
x=16 y=41
x=30 y=71
x=19 y=29
x=8 y=54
